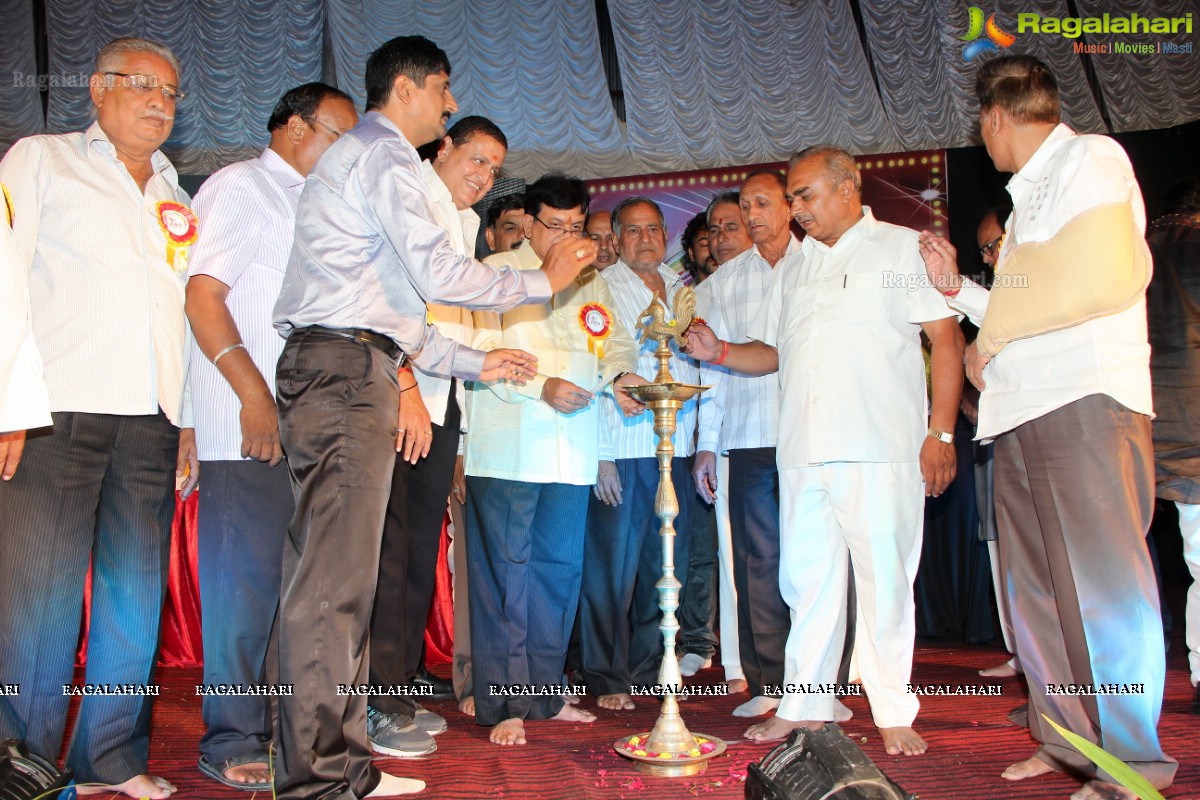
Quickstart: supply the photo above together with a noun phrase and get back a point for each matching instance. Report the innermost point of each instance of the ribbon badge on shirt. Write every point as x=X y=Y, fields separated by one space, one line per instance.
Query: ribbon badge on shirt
x=596 y=321
x=179 y=225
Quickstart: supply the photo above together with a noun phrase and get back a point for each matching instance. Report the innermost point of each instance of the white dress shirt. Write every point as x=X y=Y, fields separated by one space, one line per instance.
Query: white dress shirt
x=23 y=400
x=107 y=307
x=453 y=322
x=519 y=436
x=846 y=321
x=739 y=411
x=1110 y=355
x=249 y=213
x=634 y=437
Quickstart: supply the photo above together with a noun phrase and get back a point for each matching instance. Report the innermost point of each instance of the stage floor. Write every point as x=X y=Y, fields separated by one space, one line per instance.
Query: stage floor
x=970 y=742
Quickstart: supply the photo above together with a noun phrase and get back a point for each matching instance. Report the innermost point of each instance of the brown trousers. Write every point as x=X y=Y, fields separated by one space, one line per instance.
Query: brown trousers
x=1074 y=497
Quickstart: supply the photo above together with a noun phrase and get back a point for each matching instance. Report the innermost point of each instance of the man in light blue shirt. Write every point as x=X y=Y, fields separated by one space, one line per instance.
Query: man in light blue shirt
x=367 y=257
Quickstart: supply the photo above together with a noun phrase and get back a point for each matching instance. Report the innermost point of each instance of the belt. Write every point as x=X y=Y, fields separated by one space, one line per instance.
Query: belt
x=384 y=344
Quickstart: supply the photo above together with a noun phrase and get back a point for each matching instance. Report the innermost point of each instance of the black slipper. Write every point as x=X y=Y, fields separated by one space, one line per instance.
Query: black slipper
x=217 y=773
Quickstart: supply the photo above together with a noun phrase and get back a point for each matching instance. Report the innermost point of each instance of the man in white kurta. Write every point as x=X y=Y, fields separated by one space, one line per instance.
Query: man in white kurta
x=530 y=465
x=860 y=448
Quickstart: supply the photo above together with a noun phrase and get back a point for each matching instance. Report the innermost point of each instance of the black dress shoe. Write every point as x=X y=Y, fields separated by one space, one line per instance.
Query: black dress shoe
x=433 y=687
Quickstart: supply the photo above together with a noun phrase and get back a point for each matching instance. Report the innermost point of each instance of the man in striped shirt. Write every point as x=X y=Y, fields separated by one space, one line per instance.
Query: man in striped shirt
x=249 y=213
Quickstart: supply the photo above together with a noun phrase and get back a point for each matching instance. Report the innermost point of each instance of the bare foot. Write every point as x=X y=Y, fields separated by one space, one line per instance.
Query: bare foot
x=1005 y=670
x=779 y=728
x=902 y=741
x=467 y=706
x=571 y=699
x=737 y=686
x=1099 y=790
x=616 y=702
x=394 y=786
x=511 y=731
x=250 y=772
x=149 y=786
x=569 y=713
x=1029 y=768
x=757 y=706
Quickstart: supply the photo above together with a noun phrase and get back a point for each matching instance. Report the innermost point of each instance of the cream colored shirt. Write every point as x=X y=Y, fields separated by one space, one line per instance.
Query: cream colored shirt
x=23 y=400
x=107 y=307
x=454 y=322
x=515 y=435
x=1029 y=378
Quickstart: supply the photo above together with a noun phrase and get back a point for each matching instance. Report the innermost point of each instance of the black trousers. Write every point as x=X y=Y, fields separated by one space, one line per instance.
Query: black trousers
x=620 y=643
x=763 y=617
x=698 y=606
x=412 y=533
x=100 y=486
x=337 y=403
x=244 y=511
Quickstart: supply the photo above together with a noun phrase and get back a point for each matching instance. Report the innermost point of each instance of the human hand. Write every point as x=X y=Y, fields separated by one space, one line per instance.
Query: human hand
x=608 y=484
x=704 y=470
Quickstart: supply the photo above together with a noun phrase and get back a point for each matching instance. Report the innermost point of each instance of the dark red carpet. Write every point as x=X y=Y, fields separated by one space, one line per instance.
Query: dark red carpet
x=970 y=742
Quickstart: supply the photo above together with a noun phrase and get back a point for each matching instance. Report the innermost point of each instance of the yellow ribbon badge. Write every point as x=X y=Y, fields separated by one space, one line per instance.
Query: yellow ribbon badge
x=179 y=224
x=596 y=321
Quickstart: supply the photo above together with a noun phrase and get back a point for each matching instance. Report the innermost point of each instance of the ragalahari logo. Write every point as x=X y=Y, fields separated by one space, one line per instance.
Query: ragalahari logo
x=997 y=38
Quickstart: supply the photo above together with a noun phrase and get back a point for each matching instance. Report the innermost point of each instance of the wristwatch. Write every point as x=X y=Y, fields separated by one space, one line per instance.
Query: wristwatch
x=941 y=436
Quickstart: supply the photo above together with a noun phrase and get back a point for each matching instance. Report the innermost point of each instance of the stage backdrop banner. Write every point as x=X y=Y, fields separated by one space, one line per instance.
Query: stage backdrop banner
x=909 y=189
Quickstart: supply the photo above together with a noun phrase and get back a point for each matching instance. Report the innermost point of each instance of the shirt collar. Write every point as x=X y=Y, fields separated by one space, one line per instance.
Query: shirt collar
x=161 y=165
x=280 y=170
x=1040 y=160
x=437 y=187
x=867 y=228
x=793 y=246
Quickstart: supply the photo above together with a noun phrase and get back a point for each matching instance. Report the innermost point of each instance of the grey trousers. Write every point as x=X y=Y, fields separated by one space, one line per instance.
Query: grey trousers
x=1074 y=496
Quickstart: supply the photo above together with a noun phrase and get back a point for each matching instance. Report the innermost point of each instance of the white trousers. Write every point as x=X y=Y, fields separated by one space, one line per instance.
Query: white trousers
x=1189 y=529
x=731 y=661
x=872 y=514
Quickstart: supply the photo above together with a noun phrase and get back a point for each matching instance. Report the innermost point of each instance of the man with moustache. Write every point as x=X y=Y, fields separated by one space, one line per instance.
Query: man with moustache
x=249 y=212
x=466 y=165
x=739 y=417
x=505 y=230
x=727 y=235
x=599 y=230
x=368 y=254
x=620 y=643
x=842 y=325
x=1063 y=364
x=103 y=230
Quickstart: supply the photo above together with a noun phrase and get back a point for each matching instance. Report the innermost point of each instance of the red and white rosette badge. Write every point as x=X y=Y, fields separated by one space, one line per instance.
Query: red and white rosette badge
x=596 y=321
x=179 y=225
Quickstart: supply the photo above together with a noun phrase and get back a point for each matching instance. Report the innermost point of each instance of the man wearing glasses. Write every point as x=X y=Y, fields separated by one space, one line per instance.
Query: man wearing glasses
x=529 y=470
x=249 y=213
x=104 y=230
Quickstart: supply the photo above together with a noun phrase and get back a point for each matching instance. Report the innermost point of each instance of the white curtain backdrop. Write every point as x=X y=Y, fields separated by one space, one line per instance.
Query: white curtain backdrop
x=20 y=101
x=711 y=83
x=707 y=83
x=533 y=68
x=238 y=58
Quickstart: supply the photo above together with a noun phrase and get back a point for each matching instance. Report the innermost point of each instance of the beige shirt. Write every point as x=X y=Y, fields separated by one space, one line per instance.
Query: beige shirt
x=515 y=434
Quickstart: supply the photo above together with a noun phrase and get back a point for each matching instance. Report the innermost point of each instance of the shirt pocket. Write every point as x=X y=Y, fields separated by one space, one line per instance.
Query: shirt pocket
x=860 y=299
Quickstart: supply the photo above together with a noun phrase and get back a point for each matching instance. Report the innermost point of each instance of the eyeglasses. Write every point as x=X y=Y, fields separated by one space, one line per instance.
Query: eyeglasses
x=144 y=83
x=336 y=133
x=575 y=230
x=992 y=247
